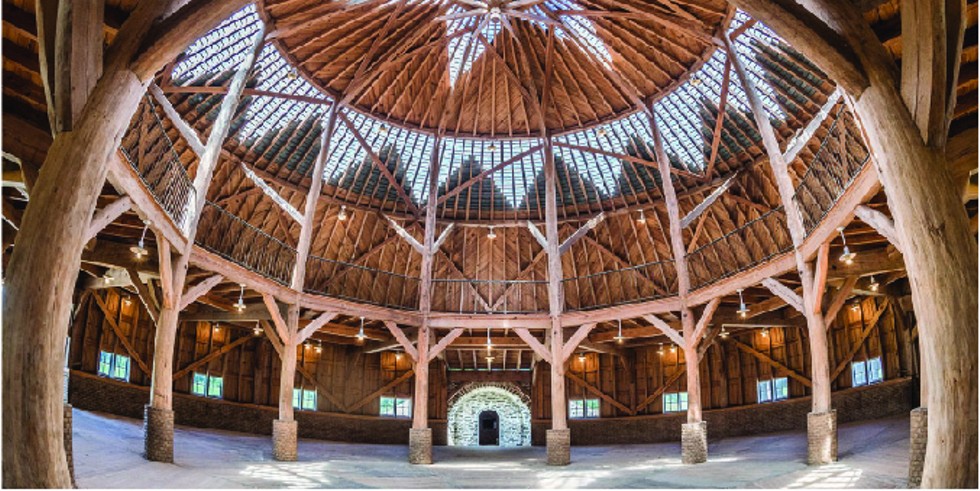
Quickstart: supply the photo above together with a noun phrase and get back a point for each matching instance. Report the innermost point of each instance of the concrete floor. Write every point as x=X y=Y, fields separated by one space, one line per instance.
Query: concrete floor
x=107 y=455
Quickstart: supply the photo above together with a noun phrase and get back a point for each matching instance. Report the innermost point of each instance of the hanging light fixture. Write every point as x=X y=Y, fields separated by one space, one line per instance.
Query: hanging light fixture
x=139 y=250
x=383 y=130
x=601 y=132
x=723 y=333
x=126 y=300
x=292 y=74
x=240 y=304
x=217 y=328
x=660 y=351
x=619 y=335
x=318 y=348
x=642 y=218
x=342 y=215
x=107 y=278
x=360 y=331
x=581 y=357
x=256 y=331
x=765 y=332
x=873 y=285
x=492 y=147
x=398 y=356
x=695 y=81
x=846 y=257
x=673 y=348
x=743 y=310
x=489 y=344
x=491 y=234
x=856 y=306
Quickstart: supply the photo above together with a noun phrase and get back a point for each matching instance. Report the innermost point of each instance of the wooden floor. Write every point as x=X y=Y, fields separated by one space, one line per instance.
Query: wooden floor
x=107 y=455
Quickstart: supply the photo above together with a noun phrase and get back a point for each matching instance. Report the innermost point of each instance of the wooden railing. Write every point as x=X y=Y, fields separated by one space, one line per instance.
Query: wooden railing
x=361 y=284
x=482 y=296
x=242 y=243
x=640 y=283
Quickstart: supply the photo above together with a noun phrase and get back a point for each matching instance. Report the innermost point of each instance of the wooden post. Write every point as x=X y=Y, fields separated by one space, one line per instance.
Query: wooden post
x=158 y=438
x=694 y=437
x=45 y=260
x=420 y=436
x=822 y=421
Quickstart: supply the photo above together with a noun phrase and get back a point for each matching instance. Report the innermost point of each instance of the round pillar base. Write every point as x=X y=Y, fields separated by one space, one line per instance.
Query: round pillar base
x=559 y=446
x=68 y=444
x=694 y=442
x=284 y=440
x=821 y=435
x=918 y=435
x=158 y=434
x=420 y=446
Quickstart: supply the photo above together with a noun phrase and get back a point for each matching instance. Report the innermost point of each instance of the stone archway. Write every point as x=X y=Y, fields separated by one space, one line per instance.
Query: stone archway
x=510 y=403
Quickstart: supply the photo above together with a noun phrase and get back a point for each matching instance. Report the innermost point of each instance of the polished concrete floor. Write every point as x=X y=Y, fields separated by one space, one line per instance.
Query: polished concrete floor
x=107 y=455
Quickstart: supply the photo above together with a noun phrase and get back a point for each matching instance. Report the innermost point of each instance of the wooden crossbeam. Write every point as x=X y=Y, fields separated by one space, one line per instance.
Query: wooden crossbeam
x=538 y=236
x=107 y=215
x=665 y=328
x=706 y=315
x=412 y=241
x=402 y=339
x=784 y=292
x=277 y=321
x=838 y=302
x=374 y=395
x=704 y=205
x=442 y=237
x=766 y=359
x=572 y=344
x=392 y=181
x=185 y=131
x=882 y=224
x=535 y=345
x=443 y=343
x=196 y=291
x=143 y=291
x=578 y=234
x=321 y=389
x=820 y=277
x=211 y=356
x=120 y=335
x=803 y=137
x=270 y=334
x=598 y=393
x=315 y=326
x=855 y=347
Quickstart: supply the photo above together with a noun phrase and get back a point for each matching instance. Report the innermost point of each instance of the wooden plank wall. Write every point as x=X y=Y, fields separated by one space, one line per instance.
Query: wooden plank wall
x=729 y=373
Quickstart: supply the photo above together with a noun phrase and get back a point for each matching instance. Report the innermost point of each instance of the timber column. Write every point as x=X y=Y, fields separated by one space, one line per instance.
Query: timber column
x=420 y=435
x=284 y=428
x=158 y=421
x=559 y=436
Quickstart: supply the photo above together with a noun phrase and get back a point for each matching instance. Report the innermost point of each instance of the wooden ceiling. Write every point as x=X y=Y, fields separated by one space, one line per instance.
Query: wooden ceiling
x=404 y=62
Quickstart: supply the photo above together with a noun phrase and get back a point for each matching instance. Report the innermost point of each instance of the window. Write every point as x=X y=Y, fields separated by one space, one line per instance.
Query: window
x=583 y=408
x=396 y=406
x=114 y=366
x=207 y=385
x=304 y=399
x=866 y=372
x=764 y=389
x=773 y=389
x=675 y=402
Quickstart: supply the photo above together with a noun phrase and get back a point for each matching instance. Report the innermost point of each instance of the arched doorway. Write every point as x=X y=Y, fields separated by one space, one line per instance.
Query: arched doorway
x=489 y=414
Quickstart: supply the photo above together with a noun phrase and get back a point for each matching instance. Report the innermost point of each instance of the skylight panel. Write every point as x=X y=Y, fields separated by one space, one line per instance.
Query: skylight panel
x=577 y=28
x=221 y=49
x=513 y=180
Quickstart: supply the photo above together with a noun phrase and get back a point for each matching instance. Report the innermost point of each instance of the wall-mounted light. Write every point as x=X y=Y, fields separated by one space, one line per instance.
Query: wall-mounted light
x=765 y=332
x=398 y=356
x=846 y=257
x=743 y=310
x=139 y=250
x=127 y=301
x=856 y=306
x=318 y=348
x=619 y=335
x=240 y=304
x=673 y=348
x=660 y=350
x=217 y=328
x=873 y=284
x=581 y=357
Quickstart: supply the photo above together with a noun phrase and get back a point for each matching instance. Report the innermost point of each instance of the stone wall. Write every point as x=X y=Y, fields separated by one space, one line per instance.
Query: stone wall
x=466 y=406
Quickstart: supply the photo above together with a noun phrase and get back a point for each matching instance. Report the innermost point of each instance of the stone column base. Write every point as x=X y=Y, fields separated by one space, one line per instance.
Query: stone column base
x=68 y=439
x=420 y=446
x=821 y=435
x=694 y=442
x=918 y=435
x=559 y=446
x=284 y=440
x=158 y=434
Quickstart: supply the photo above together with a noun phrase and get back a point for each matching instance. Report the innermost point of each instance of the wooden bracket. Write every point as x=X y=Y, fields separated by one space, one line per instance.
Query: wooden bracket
x=407 y=236
x=196 y=291
x=784 y=292
x=444 y=343
x=578 y=234
x=580 y=334
x=702 y=206
x=120 y=335
x=442 y=238
x=402 y=339
x=538 y=236
x=668 y=331
x=211 y=356
x=882 y=224
x=107 y=215
x=314 y=326
x=277 y=321
x=143 y=291
x=706 y=315
x=535 y=345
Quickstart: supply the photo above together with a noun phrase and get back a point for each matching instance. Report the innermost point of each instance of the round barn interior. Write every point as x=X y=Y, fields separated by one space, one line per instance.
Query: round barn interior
x=605 y=222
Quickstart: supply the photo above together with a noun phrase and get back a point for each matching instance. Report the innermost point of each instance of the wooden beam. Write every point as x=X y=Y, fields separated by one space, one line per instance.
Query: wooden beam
x=186 y=132
x=412 y=241
x=270 y=334
x=578 y=234
x=444 y=343
x=855 y=347
x=120 y=335
x=882 y=224
x=321 y=389
x=702 y=206
x=402 y=340
x=706 y=316
x=315 y=326
x=483 y=175
x=665 y=328
x=385 y=388
x=766 y=359
x=803 y=136
x=108 y=214
x=195 y=292
x=535 y=345
x=839 y=298
x=143 y=292
x=382 y=167
x=538 y=236
x=212 y=356
x=784 y=292
x=278 y=322
x=820 y=277
x=572 y=344
x=598 y=393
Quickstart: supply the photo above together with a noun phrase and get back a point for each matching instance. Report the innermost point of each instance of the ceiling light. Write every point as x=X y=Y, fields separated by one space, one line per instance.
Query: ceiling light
x=846 y=257
x=492 y=147
x=383 y=130
x=342 y=215
x=398 y=355
x=660 y=351
x=318 y=348
x=724 y=332
x=601 y=132
x=491 y=234
x=217 y=327
x=581 y=357
x=292 y=74
x=873 y=285
x=673 y=348
x=139 y=250
x=765 y=332
x=695 y=81
x=489 y=344
x=257 y=331
x=240 y=305
x=126 y=300
x=642 y=218
x=360 y=331
x=856 y=306
x=743 y=310
x=619 y=335
x=495 y=14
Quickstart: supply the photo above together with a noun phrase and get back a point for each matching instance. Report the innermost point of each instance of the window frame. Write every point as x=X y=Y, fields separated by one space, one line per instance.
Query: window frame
x=401 y=407
x=859 y=367
x=114 y=363
x=299 y=399
x=675 y=402
x=207 y=385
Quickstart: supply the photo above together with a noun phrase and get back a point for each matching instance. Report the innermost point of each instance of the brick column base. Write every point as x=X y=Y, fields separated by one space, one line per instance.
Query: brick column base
x=918 y=434
x=821 y=435
x=284 y=440
x=68 y=439
x=694 y=442
x=559 y=446
x=158 y=434
x=420 y=446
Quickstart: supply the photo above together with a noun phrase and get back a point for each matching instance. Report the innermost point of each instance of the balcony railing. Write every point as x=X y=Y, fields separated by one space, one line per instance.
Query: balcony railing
x=150 y=152
x=482 y=296
x=361 y=284
x=242 y=243
x=640 y=283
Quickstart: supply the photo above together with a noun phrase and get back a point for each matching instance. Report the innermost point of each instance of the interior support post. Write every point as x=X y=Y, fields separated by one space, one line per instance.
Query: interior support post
x=694 y=433
x=420 y=436
x=158 y=420
x=284 y=429
x=822 y=420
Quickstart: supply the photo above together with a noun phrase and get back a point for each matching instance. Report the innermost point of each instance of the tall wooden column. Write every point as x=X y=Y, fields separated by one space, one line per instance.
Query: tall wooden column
x=44 y=264
x=158 y=416
x=822 y=420
x=559 y=436
x=420 y=436
x=694 y=434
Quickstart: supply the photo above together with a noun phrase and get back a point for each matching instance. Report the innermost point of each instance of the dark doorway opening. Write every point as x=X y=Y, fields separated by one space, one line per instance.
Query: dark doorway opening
x=489 y=428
